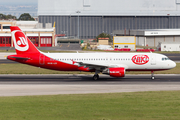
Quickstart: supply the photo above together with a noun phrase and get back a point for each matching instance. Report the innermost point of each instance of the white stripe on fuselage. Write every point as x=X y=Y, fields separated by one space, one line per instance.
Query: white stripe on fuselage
x=112 y=59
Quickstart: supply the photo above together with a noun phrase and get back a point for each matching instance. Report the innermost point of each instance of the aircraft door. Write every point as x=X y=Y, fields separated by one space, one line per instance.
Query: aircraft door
x=153 y=60
x=41 y=59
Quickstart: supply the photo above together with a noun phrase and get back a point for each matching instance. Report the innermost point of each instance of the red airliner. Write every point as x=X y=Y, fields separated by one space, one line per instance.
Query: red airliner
x=113 y=64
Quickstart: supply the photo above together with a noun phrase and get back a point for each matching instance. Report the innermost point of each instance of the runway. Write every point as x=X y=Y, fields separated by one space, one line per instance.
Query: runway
x=25 y=85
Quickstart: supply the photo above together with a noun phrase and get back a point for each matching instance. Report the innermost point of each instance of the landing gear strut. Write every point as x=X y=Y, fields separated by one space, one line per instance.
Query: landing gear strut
x=96 y=76
x=152 y=75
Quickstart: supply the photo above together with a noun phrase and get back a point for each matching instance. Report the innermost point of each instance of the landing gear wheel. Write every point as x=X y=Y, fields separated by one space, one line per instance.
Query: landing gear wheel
x=152 y=77
x=96 y=77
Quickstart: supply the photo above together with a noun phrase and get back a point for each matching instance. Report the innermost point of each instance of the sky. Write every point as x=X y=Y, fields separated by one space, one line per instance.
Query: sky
x=18 y=2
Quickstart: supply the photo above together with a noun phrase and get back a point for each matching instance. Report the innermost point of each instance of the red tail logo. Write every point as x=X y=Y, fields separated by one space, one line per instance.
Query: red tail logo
x=20 y=40
x=22 y=44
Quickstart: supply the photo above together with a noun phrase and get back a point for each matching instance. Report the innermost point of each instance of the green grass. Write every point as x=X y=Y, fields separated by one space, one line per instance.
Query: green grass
x=7 y=51
x=118 y=106
x=26 y=69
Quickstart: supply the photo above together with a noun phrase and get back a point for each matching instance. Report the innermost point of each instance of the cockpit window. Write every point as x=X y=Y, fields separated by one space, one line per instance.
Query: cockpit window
x=163 y=59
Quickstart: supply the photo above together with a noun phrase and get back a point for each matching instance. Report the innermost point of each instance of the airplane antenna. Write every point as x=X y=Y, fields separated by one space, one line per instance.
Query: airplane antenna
x=77 y=52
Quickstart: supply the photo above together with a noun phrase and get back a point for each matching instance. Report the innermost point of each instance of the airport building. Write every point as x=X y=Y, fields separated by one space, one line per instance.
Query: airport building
x=41 y=37
x=85 y=19
x=150 y=37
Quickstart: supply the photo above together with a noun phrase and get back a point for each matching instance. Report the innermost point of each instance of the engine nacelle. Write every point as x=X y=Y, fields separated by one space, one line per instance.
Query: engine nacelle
x=115 y=72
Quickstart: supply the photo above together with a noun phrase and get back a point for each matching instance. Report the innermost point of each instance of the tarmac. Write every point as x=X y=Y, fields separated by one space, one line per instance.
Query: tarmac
x=30 y=85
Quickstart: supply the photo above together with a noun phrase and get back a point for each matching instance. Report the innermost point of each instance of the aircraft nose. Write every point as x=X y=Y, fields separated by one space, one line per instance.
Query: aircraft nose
x=173 y=64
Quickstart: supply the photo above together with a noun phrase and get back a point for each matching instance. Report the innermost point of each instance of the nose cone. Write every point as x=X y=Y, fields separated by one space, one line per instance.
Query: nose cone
x=173 y=64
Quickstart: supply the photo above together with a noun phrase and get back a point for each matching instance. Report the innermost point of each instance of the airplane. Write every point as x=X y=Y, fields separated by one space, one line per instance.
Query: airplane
x=113 y=64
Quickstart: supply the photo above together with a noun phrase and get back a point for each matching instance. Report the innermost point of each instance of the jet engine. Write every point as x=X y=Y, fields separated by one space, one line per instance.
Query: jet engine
x=115 y=72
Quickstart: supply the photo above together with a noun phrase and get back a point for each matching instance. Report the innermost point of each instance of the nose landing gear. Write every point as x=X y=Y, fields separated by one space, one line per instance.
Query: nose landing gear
x=152 y=75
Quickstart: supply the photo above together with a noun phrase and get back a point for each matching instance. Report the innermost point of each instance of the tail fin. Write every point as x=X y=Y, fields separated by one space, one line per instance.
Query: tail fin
x=21 y=42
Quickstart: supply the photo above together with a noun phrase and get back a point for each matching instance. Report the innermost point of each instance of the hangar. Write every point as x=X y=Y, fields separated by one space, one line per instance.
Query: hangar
x=86 y=19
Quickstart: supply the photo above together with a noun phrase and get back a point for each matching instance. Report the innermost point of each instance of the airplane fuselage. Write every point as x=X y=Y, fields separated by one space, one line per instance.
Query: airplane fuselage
x=70 y=61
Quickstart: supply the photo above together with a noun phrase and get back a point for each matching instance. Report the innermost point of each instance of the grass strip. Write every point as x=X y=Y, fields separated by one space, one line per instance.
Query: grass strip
x=115 y=106
x=26 y=69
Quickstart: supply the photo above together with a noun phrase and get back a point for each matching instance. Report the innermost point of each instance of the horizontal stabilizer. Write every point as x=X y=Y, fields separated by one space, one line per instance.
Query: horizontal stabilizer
x=20 y=58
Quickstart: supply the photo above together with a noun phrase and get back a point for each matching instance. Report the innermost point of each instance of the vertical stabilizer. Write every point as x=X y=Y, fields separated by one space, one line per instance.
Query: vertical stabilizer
x=21 y=42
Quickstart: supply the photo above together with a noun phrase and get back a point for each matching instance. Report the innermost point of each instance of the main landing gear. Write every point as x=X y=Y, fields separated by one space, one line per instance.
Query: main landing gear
x=152 y=75
x=96 y=76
